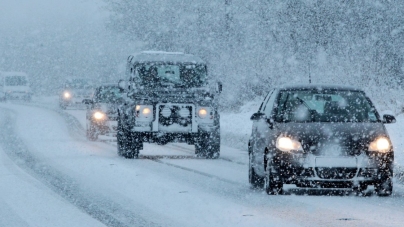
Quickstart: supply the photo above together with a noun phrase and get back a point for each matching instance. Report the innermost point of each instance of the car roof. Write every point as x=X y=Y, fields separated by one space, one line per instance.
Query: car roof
x=318 y=87
x=162 y=56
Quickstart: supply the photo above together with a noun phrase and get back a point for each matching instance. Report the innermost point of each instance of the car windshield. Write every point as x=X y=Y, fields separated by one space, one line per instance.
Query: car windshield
x=178 y=75
x=78 y=84
x=324 y=106
x=108 y=94
x=16 y=81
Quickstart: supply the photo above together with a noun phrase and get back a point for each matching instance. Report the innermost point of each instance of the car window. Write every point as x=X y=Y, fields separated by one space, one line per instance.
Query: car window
x=16 y=81
x=108 y=94
x=262 y=106
x=270 y=104
x=325 y=106
x=78 y=84
x=190 y=75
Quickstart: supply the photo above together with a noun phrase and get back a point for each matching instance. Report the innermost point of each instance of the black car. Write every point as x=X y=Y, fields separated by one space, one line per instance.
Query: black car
x=102 y=111
x=320 y=136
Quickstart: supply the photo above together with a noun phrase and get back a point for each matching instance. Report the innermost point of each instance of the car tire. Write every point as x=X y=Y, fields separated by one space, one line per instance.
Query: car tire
x=255 y=180
x=91 y=132
x=207 y=145
x=385 y=186
x=273 y=186
x=125 y=144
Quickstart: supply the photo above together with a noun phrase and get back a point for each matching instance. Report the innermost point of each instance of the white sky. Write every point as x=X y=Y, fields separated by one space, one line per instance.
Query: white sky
x=33 y=14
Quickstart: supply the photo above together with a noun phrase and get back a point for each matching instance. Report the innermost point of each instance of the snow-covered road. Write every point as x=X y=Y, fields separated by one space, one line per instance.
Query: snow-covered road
x=52 y=176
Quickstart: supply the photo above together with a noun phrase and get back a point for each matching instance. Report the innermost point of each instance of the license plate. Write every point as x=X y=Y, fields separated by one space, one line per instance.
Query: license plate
x=336 y=162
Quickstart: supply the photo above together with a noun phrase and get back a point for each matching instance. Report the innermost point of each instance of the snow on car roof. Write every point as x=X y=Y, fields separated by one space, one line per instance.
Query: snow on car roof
x=319 y=87
x=162 y=56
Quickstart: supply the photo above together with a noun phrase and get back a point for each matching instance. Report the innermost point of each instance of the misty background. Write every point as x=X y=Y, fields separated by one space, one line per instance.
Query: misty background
x=249 y=45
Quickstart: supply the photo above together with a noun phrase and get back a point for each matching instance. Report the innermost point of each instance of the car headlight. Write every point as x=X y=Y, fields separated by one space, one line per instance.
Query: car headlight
x=166 y=112
x=202 y=113
x=184 y=112
x=381 y=144
x=284 y=143
x=144 y=111
x=99 y=115
x=66 y=95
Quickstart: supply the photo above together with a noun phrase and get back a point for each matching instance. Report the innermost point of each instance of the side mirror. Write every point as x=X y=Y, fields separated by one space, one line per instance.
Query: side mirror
x=257 y=116
x=387 y=118
x=219 y=87
x=122 y=84
x=87 y=101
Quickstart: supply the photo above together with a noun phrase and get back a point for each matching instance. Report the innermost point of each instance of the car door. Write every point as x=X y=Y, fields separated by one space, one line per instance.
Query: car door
x=261 y=132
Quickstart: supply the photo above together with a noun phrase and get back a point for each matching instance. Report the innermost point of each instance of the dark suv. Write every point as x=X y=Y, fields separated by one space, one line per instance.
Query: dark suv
x=169 y=100
x=320 y=136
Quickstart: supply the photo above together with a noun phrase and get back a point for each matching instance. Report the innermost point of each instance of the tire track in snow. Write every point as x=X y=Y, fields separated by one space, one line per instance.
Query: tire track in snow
x=100 y=208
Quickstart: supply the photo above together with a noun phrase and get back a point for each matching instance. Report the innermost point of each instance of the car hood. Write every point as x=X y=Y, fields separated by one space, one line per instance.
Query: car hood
x=333 y=138
x=174 y=94
x=108 y=108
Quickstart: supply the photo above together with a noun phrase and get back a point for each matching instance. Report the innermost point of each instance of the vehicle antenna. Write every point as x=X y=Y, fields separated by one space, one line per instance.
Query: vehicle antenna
x=309 y=75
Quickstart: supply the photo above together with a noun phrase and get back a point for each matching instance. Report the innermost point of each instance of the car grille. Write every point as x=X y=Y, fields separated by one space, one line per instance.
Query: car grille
x=175 y=114
x=337 y=173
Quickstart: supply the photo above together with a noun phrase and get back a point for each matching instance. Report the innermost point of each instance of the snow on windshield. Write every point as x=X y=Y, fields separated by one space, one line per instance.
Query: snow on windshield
x=325 y=106
x=16 y=81
x=177 y=74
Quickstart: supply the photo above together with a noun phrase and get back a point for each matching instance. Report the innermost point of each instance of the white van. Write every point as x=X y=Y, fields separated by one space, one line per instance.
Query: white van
x=15 y=85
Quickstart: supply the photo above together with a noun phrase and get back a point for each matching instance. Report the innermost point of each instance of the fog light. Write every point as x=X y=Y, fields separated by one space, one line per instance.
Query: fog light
x=184 y=112
x=146 y=112
x=166 y=112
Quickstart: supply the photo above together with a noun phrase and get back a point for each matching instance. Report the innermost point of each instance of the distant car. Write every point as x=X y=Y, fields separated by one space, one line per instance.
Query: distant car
x=74 y=91
x=102 y=112
x=320 y=136
x=15 y=85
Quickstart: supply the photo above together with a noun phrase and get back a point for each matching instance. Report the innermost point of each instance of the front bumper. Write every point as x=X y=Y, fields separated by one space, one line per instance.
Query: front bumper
x=186 y=137
x=106 y=128
x=307 y=170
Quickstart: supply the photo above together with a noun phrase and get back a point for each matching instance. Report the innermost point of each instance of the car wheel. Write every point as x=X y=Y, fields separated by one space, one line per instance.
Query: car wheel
x=91 y=132
x=273 y=186
x=255 y=180
x=385 y=186
x=125 y=144
x=207 y=145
